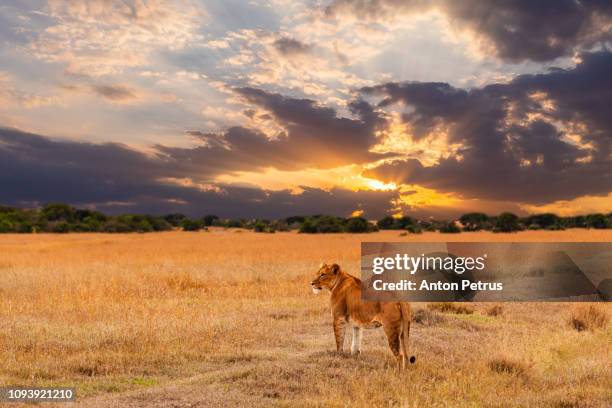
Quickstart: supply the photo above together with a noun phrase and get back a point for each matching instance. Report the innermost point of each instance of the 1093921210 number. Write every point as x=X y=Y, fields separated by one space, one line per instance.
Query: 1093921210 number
x=33 y=394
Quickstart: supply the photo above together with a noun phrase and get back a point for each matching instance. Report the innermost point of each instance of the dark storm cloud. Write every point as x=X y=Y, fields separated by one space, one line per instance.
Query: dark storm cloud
x=315 y=137
x=117 y=179
x=512 y=144
x=114 y=92
x=518 y=30
x=290 y=46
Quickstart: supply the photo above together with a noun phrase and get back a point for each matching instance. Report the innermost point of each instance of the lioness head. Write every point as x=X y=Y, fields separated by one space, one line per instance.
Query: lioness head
x=325 y=277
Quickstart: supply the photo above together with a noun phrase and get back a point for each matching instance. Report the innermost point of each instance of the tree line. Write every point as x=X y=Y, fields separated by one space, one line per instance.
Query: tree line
x=63 y=218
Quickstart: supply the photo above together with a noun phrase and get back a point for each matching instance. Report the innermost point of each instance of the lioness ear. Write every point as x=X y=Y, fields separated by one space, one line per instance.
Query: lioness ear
x=322 y=265
x=335 y=268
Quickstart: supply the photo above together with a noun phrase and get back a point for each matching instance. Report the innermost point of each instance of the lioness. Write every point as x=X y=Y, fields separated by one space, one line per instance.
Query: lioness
x=347 y=307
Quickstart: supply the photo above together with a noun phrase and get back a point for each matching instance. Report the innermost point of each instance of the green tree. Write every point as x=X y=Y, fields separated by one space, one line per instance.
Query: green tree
x=209 y=220
x=449 y=228
x=597 y=221
x=475 y=221
x=507 y=222
x=174 y=219
x=357 y=225
x=546 y=221
x=58 y=212
x=308 y=226
x=191 y=225
x=387 y=223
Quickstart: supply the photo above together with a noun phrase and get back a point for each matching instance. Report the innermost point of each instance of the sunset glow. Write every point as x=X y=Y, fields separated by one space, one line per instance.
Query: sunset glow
x=270 y=107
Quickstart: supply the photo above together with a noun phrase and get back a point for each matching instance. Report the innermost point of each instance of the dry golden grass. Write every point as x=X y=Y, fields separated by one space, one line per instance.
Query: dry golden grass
x=219 y=318
x=494 y=310
x=589 y=317
x=451 y=307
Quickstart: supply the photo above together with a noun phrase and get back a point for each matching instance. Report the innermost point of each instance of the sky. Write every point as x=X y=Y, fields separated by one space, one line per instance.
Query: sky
x=272 y=108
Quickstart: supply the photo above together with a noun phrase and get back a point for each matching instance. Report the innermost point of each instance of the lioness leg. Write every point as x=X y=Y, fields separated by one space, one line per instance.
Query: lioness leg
x=339 y=329
x=392 y=331
x=356 y=344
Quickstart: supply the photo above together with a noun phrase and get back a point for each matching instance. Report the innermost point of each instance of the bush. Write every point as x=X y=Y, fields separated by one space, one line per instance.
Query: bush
x=328 y=223
x=588 y=317
x=414 y=229
x=234 y=224
x=427 y=317
x=174 y=219
x=597 y=221
x=449 y=228
x=546 y=221
x=475 y=221
x=263 y=226
x=322 y=224
x=5 y=226
x=308 y=226
x=357 y=224
x=114 y=225
x=390 y=223
x=191 y=225
x=494 y=310
x=57 y=212
x=209 y=220
x=386 y=223
x=507 y=222
x=451 y=307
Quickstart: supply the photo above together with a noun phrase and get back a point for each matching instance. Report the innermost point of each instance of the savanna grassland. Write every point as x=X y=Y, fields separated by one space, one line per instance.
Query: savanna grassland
x=227 y=318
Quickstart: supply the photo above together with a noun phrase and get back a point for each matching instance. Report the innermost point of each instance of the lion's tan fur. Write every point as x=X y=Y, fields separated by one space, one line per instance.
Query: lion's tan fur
x=348 y=307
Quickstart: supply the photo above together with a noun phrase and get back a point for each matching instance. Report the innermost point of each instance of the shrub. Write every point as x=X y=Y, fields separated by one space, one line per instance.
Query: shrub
x=414 y=229
x=5 y=226
x=357 y=224
x=158 y=223
x=191 y=225
x=174 y=219
x=209 y=220
x=451 y=307
x=115 y=225
x=588 y=317
x=475 y=221
x=386 y=223
x=546 y=221
x=507 y=222
x=494 y=310
x=308 y=226
x=328 y=223
x=234 y=224
x=449 y=228
x=262 y=226
x=578 y=221
x=322 y=224
x=390 y=223
x=57 y=212
x=59 y=227
x=427 y=317
x=597 y=221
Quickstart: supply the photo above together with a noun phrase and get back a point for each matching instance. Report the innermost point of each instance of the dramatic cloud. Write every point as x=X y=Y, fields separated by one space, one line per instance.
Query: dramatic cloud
x=431 y=107
x=114 y=92
x=516 y=30
x=537 y=139
x=115 y=178
x=304 y=135
x=290 y=46
x=101 y=37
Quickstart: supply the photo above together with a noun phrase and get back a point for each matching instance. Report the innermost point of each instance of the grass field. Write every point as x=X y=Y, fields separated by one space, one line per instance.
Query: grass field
x=227 y=318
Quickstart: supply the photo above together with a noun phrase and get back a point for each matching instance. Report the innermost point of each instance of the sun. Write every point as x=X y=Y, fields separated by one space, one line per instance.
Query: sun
x=373 y=184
